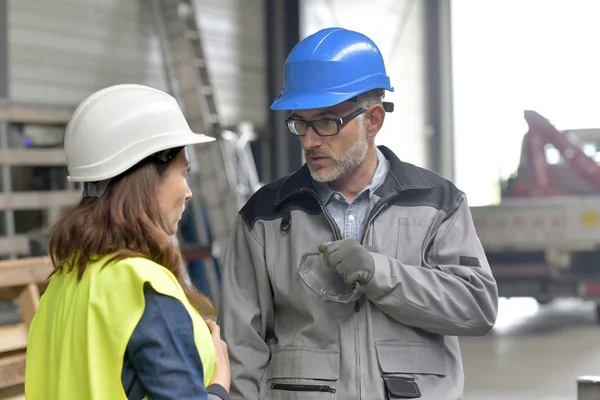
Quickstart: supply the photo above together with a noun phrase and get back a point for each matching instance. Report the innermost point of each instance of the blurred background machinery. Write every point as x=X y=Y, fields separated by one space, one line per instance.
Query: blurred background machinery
x=542 y=238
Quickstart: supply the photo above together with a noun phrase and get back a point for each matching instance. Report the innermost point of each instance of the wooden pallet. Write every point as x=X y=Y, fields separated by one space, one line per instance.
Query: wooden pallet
x=13 y=393
x=20 y=280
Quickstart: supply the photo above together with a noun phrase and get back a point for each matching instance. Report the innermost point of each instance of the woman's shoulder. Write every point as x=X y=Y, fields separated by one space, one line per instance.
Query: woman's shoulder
x=148 y=271
x=140 y=266
x=136 y=263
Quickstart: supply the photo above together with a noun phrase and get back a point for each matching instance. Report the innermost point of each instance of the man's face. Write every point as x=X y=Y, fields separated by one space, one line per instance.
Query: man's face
x=330 y=158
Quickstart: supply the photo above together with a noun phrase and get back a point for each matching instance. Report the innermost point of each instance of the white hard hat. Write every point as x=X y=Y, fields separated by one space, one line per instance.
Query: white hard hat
x=117 y=127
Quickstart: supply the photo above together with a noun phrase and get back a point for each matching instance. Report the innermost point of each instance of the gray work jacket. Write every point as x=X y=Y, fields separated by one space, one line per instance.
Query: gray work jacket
x=432 y=283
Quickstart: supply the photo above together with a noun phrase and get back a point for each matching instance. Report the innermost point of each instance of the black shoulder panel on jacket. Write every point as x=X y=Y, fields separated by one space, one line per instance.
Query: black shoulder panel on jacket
x=263 y=204
x=443 y=194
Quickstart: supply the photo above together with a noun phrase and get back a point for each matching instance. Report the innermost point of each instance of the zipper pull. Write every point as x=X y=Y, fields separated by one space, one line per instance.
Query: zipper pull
x=286 y=221
x=358 y=303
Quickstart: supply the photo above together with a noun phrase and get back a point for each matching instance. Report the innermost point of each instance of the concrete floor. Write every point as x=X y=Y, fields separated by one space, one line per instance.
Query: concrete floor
x=534 y=352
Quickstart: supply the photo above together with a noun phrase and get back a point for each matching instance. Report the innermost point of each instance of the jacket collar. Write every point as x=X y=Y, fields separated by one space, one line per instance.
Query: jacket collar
x=402 y=176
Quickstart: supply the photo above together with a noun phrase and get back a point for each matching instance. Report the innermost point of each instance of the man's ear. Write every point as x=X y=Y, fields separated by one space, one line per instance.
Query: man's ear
x=374 y=117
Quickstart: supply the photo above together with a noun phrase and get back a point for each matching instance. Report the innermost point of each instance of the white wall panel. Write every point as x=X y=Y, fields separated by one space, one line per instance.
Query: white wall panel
x=235 y=46
x=397 y=27
x=62 y=50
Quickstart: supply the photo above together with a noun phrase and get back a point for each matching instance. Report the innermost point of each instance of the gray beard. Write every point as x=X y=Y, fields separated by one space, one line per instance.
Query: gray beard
x=347 y=162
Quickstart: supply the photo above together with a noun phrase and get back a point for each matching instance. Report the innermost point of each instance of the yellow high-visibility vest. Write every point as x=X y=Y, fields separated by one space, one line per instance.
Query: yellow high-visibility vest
x=79 y=334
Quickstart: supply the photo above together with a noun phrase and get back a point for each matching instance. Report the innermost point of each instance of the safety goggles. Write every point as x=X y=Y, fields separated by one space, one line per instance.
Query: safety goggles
x=325 y=281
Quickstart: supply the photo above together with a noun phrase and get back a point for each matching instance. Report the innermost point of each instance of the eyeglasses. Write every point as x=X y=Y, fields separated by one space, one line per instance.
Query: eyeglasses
x=322 y=127
x=325 y=281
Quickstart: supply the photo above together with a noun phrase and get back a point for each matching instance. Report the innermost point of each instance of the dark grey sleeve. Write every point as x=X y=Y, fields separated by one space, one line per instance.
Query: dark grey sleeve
x=246 y=311
x=162 y=361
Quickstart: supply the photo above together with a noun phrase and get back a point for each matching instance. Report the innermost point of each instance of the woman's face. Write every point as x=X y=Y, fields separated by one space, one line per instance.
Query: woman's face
x=173 y=191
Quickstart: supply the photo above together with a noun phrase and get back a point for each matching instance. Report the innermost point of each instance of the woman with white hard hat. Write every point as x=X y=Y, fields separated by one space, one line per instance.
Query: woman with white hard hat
x=118 y=320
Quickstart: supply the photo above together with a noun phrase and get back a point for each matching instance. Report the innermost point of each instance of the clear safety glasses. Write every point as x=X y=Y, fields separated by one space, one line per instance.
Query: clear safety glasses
x=325 y=281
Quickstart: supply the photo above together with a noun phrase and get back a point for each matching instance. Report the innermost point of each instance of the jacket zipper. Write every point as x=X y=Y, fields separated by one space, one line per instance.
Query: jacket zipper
x=358 y=349
x=374 y=212
x=336 y=230
x=357 y=304
x=302 y=388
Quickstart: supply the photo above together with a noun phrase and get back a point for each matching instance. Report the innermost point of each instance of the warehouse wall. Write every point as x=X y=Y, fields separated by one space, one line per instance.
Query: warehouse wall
x=235 y=45
x=397 y=27
x=62 y=50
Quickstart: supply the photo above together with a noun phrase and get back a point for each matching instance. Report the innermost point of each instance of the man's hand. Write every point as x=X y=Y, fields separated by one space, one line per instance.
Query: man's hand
x=350 y=259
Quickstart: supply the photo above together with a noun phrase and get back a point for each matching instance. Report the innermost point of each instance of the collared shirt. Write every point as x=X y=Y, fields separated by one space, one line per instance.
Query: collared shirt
x=351 y=218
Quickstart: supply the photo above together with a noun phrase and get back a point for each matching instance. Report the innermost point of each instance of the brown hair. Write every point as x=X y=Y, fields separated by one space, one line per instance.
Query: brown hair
x=124 y=222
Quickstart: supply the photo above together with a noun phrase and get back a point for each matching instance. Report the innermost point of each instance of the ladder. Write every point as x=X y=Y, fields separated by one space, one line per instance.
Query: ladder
x=238 y=149
x=212 y=179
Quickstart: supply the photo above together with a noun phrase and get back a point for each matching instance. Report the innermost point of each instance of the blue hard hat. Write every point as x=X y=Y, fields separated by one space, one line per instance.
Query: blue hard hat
x=329 y=67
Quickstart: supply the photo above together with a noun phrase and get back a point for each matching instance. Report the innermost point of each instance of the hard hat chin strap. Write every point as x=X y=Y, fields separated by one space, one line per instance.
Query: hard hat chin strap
x=95 y=189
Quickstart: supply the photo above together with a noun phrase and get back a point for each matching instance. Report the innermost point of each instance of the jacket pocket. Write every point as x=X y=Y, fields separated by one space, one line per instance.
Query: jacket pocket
x=408 y=368
x=411 y=358
x=303 y=373
x=302 y=388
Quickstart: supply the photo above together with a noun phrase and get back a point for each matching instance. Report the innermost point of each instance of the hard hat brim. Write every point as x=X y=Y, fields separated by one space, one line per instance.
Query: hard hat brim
x=308 y=101
x=123 y=161
x=292 y=101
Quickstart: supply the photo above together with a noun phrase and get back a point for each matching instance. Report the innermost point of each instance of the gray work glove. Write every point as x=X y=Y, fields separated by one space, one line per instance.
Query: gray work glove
x=350 y=259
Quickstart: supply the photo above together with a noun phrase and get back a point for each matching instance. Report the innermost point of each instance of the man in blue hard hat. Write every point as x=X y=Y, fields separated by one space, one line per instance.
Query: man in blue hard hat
x=352 y=277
